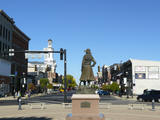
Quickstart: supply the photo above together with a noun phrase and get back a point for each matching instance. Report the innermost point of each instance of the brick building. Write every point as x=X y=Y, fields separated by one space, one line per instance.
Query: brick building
x=11 y=37
x=20 y=42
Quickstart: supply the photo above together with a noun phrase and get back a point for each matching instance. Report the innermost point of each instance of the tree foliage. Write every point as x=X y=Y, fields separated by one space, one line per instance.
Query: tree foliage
x=44 y=82
x=94 y=87
x=71 y=82
x=50 y=86
x=31 y=86
x=114 y=87
x=106 y=87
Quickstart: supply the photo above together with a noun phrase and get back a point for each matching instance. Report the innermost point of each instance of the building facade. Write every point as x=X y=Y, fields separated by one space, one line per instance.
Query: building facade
x=48 y=67
x=11 y=37
x=145 y=75
x=137 y=75
x=20 y=42
x=5 y=44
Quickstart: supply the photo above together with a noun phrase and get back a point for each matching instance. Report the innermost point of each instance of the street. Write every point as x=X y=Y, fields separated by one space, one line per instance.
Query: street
x=59 y=98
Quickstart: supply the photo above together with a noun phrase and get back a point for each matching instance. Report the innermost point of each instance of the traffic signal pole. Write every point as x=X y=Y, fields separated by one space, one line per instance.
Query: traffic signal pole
x=61 y=52
x=65 y=77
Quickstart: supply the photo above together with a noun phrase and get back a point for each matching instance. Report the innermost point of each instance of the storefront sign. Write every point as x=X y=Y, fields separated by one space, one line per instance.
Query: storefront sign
x=140 y=76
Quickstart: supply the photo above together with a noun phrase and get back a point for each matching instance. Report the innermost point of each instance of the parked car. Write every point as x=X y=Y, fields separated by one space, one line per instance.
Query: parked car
x=102 y=92
x=149 y=95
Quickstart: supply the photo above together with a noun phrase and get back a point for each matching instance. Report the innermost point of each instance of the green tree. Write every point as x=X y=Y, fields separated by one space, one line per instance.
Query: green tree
x=50 y=86
x=31 y=86
x=43 y=83
x=94 y=87
x=71 y=82
x=114 y=87
x=106 y=87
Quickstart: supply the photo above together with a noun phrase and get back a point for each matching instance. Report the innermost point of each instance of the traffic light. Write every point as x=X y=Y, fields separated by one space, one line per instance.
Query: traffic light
x=98 y=68
x=35 y=67
x=61 y=54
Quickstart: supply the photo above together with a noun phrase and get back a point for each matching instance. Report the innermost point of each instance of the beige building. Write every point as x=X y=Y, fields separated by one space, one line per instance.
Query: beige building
x=48 y=67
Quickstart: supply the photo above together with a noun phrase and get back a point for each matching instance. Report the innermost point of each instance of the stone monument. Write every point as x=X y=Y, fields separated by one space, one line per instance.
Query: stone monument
x=85 y=104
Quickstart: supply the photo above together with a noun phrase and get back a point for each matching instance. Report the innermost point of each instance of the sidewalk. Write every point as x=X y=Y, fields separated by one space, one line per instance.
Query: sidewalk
x=57 y=112
x=12 y=98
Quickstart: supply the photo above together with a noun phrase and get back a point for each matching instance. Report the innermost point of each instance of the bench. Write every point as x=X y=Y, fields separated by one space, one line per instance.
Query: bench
x=67 y=105
x=105 y=105
x=37 y=105
x=136 y=106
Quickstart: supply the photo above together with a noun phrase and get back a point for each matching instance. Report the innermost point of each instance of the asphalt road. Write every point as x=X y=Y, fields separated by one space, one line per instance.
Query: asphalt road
x=59 y=98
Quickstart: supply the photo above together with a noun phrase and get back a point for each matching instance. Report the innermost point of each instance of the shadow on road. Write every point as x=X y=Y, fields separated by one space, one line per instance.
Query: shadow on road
x=27 y=118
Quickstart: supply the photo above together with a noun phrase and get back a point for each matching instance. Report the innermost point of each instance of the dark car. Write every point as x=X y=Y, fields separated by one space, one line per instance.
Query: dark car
x=149 y=95
x=102 y=92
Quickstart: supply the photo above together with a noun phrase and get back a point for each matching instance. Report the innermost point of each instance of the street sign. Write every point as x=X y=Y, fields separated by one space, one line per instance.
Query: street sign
x=12 y=75
x=34 y=55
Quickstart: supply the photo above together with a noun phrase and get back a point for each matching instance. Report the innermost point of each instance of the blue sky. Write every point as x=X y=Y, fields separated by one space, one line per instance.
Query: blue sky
x=114 y=30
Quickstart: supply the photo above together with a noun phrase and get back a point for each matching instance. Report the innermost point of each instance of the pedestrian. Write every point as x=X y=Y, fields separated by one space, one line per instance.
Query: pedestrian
x=19 y=96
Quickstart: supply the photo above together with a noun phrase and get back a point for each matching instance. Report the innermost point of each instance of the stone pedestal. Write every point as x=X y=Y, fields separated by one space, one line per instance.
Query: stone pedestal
x=85 y=107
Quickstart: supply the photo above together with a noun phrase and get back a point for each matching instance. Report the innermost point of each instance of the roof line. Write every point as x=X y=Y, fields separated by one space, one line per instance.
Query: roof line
x=8 y=18
x=13 y=23
x=21 y=32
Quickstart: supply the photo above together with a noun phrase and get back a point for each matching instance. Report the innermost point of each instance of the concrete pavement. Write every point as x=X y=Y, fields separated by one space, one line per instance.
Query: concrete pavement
x=57 y=112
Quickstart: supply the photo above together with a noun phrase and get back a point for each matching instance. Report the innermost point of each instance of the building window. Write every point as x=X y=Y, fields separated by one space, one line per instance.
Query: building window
x=153 y=72
x=0 y=30
x=3 y=32
x=153 y=75
x=8 y=35
x=153 y=69
x=3 y=47
x=0 y=46
x=8 y=47
x=140 y=68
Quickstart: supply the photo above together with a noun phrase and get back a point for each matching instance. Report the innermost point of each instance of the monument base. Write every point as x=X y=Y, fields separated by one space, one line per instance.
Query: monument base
x=85 y=117
x=85 y=107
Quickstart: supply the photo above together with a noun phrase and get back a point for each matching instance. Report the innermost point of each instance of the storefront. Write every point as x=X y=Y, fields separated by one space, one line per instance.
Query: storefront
x=4 y=77
x=144 y=75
